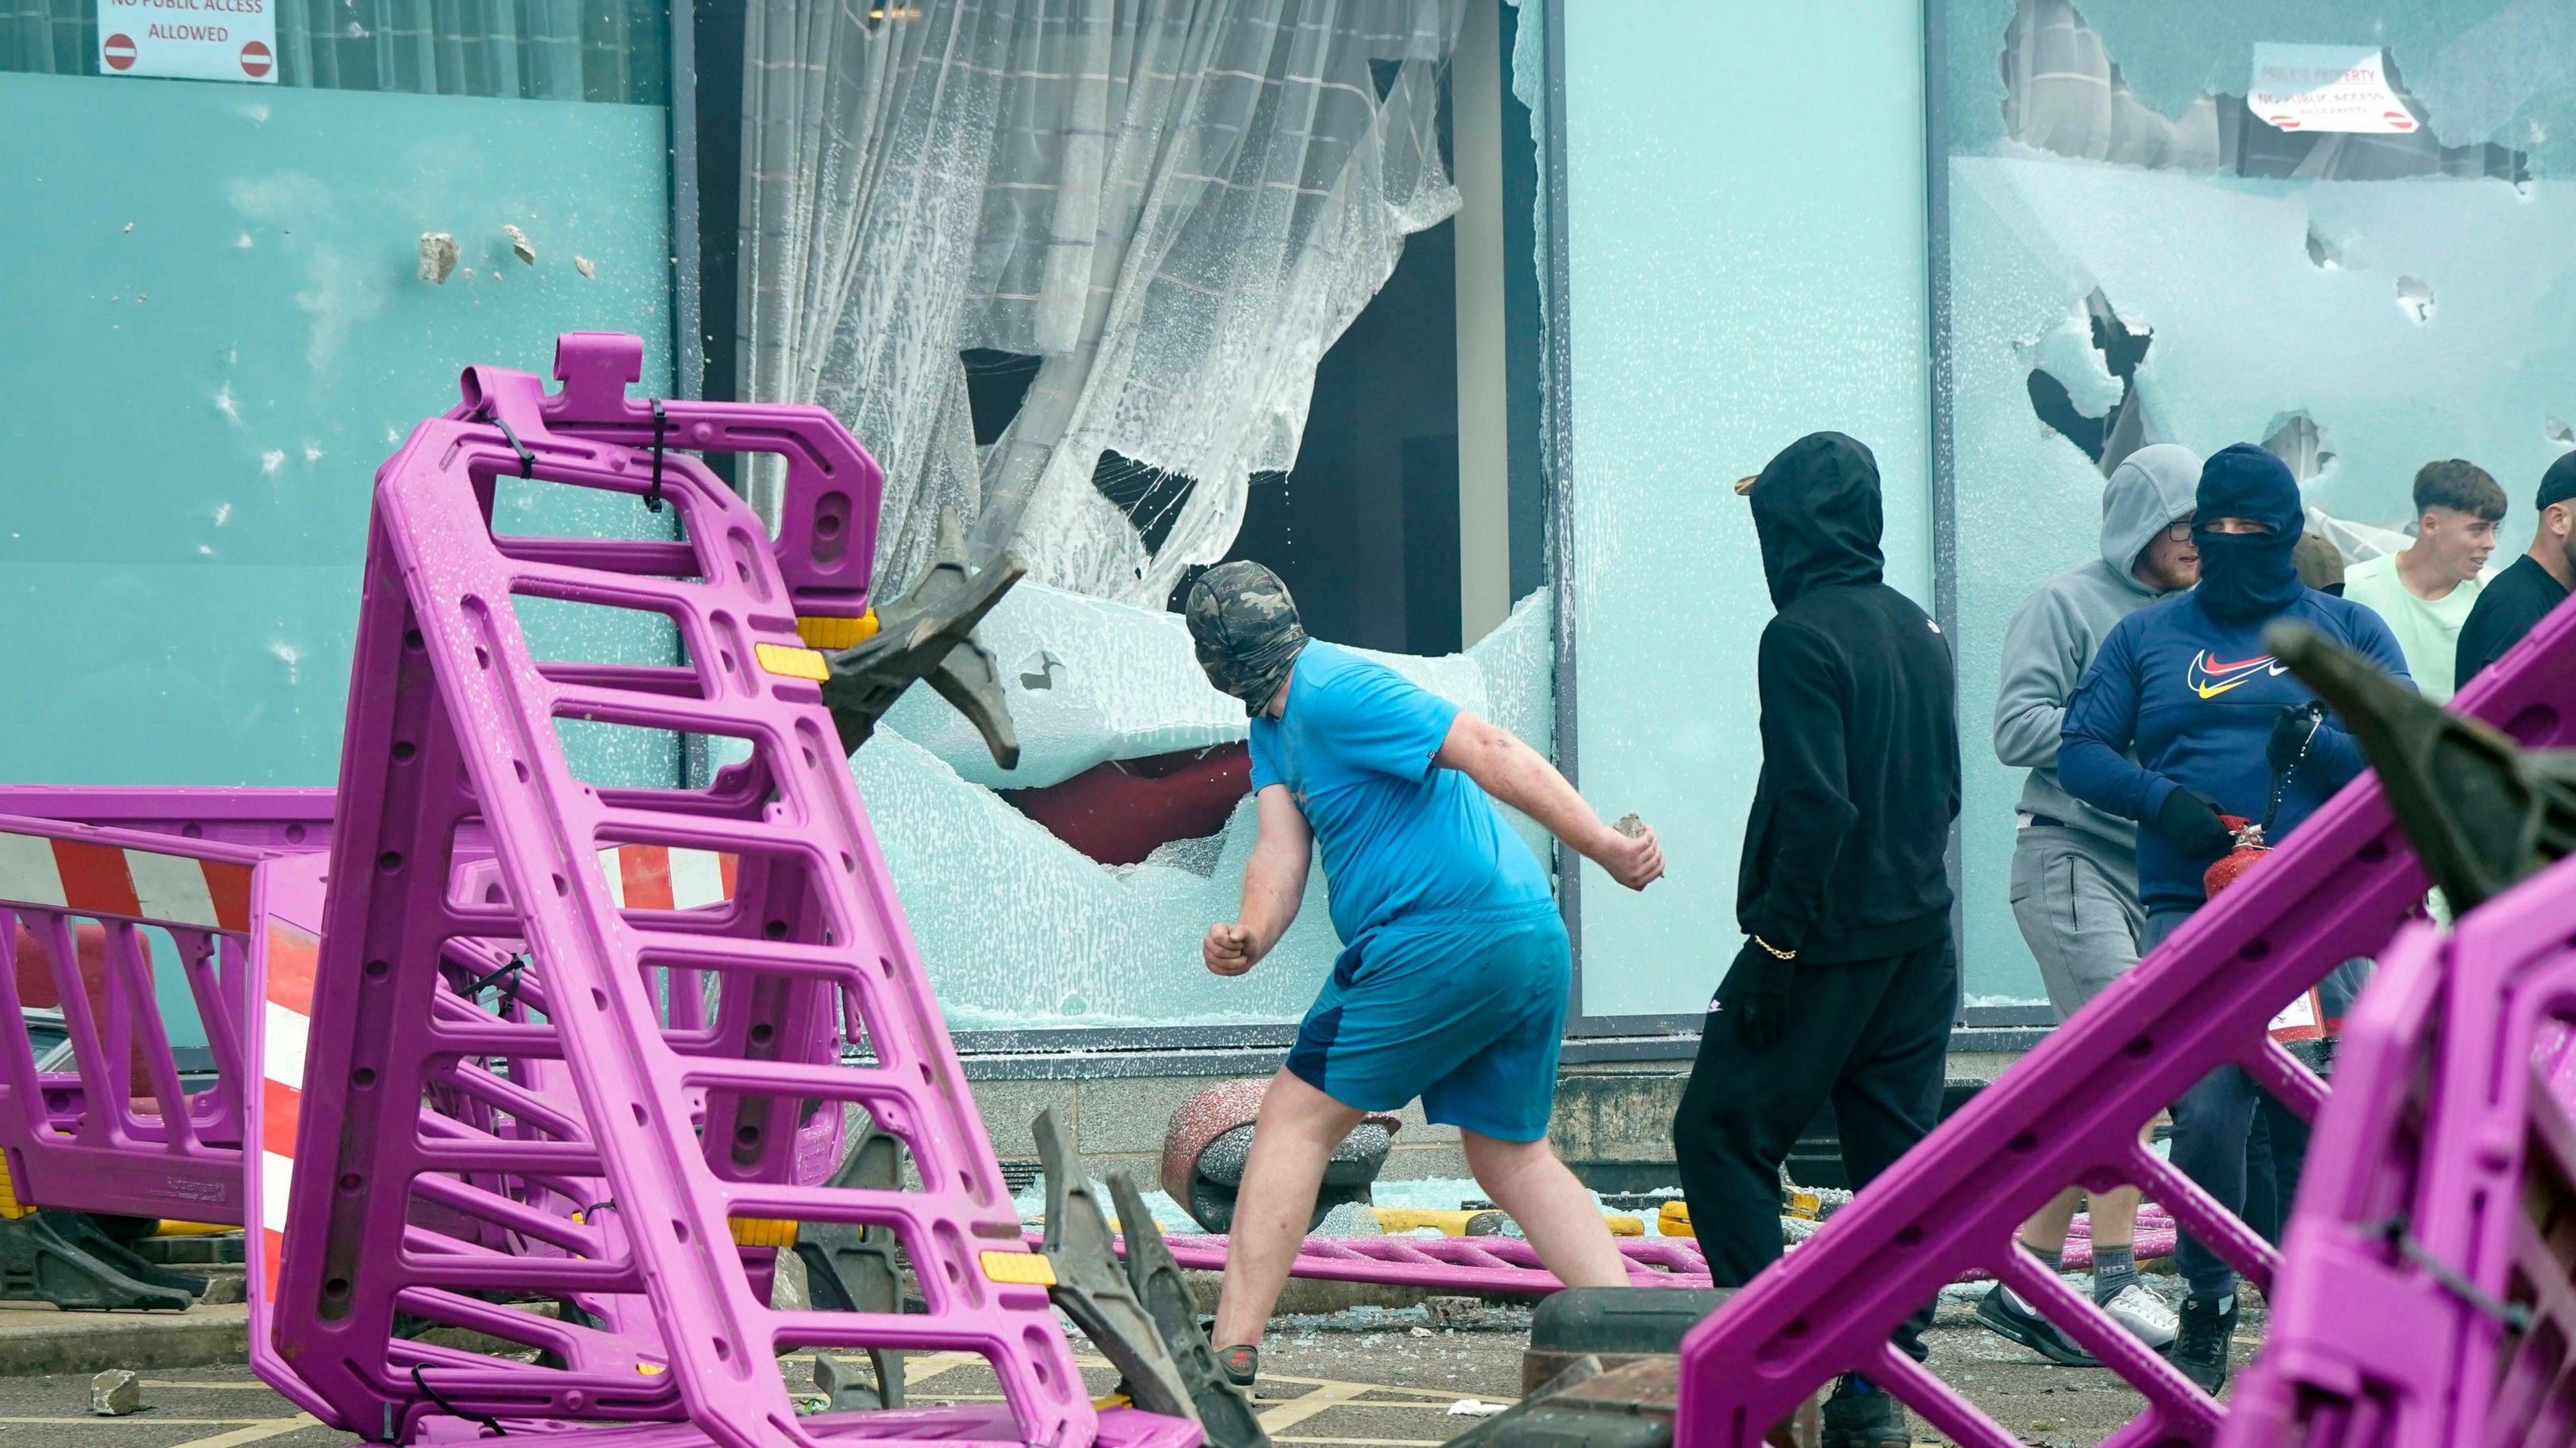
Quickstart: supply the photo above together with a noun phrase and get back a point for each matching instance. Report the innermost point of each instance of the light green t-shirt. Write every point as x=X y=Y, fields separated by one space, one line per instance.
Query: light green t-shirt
x=2427 y=629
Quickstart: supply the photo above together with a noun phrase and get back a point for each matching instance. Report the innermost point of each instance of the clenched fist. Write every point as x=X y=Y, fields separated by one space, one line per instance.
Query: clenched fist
x=1229 y=949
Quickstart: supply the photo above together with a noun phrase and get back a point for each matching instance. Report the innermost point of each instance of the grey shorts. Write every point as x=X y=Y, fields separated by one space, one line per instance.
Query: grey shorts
x=2075 y=896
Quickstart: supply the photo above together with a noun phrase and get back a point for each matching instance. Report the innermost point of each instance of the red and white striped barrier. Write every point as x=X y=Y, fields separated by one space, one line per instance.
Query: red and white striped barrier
x=41 y=867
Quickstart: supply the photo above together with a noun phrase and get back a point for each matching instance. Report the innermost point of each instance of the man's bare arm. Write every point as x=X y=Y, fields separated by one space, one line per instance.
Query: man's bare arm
x=1521 y=777
x=1274 y=885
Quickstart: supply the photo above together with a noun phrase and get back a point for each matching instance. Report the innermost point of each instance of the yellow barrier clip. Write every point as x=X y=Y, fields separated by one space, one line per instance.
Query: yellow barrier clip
x=822 y=631
x=1023 y=1269
x=763 y=1232
x=792 y=663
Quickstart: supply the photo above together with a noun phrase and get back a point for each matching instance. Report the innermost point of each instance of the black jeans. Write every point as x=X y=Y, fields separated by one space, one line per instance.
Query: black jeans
x=1871 y=1036
x=2241 y=1146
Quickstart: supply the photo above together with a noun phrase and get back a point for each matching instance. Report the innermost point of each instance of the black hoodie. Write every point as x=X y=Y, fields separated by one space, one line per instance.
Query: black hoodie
x=1844 y=856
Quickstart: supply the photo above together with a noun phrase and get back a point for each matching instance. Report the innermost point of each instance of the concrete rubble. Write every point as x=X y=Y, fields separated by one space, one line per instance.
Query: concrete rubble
x=437 y=256
x=115 y=1393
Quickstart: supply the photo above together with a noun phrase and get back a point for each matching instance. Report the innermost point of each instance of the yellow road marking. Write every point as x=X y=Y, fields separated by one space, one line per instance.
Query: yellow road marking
x=1297 y=1410
x=922 y=1369
x=1371 y=1442
x=1443 y=1396
x=270 y=1429
x=135 y=1419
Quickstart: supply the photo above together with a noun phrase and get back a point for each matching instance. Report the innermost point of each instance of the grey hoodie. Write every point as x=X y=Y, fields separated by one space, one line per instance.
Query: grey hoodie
x=2053 y=635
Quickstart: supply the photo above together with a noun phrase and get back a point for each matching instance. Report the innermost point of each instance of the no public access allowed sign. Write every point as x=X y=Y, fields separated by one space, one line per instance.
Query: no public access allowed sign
x=189 y=39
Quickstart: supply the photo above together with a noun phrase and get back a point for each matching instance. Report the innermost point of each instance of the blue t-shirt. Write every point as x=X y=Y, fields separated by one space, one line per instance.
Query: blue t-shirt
x=1402 y=837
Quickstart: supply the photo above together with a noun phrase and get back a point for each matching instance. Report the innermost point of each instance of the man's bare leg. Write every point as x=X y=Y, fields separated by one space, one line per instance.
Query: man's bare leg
x=2115 y=1218
x=1297 y=1130
x=2115 y=1215
x=2046 y=1230
x=1559 y=1217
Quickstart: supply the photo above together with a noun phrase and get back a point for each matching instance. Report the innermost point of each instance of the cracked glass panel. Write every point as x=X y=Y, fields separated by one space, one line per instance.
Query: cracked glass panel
x=1034 y=909
x=2136 y=257
x=216 y=333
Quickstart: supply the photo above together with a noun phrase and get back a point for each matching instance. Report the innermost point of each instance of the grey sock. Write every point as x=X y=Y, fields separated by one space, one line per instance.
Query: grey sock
x=2113 y=1269
x=2054 y=1261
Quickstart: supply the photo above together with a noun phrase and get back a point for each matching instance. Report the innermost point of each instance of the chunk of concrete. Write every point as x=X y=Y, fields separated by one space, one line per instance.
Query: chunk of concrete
x=520 y=247
x=1455 y=1311
x=115 y=1393
x=437 y=256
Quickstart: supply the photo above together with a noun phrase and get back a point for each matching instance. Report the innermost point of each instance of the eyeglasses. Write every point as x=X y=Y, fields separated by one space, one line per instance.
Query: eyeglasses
x=2180 y=532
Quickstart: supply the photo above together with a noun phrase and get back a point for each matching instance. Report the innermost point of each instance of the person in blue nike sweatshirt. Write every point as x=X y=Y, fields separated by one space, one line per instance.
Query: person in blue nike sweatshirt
x=2215 y=725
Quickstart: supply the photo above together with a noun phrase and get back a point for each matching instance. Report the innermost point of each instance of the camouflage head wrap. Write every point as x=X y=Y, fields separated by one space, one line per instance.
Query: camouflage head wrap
x=1245 y=626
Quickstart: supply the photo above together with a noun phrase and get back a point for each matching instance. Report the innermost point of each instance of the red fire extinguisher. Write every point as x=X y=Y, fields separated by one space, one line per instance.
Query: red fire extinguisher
x=2250 y=845
x=2249 y=848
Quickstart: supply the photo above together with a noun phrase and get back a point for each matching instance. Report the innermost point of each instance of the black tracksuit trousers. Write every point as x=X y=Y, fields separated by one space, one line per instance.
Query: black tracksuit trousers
x=1872 y=1036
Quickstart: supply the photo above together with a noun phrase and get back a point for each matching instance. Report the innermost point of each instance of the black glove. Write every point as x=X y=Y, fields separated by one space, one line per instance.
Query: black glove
x=2291 y=733
x=2189 y=822
x=1756 y=993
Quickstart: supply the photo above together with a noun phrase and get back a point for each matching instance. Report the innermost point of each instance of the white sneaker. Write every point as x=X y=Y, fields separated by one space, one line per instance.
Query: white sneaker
x=2147 y=1316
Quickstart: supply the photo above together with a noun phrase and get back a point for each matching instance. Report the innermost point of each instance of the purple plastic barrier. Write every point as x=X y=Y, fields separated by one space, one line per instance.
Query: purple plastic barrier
x=1507 y=1265
x=827 y=535
x=268 y=819
x=80 y=1139
x=286 y=939
x=2426 y=1295
x=966 y=1423
x=2070 y=1112
x=287 y=902
x=1449 y=1264
x=450 y=722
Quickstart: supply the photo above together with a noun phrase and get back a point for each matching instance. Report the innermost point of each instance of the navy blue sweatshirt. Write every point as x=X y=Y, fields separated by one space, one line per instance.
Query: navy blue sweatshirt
x=2195 y=697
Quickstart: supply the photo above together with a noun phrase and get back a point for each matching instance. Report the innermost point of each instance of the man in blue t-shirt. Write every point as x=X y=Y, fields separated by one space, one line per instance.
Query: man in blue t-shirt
x=2217 y=727
x=1451 y=985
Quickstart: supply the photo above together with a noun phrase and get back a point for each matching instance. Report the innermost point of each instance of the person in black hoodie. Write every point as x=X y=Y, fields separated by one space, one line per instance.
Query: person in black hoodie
x=1847 y=982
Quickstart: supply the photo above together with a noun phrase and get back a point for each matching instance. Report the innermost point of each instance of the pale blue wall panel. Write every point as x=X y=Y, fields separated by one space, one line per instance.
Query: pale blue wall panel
x=1745 y=201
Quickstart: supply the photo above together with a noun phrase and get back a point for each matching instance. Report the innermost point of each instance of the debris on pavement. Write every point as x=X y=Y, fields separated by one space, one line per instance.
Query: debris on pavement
x=115 y=1393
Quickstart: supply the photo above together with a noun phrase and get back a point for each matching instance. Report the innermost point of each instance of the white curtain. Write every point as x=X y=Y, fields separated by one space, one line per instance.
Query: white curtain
x=1177 y=204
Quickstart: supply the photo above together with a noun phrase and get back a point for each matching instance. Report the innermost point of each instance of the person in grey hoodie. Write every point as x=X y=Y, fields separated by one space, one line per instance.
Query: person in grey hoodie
x=2074 y=868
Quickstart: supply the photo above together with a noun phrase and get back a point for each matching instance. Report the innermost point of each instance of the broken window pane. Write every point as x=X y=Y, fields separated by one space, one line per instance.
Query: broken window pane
x=2360 y=302
x=1023 y=928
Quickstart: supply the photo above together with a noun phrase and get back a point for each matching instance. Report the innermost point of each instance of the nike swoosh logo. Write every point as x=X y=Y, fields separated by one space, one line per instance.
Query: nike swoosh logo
x=2210 y=678
x=2213 y=666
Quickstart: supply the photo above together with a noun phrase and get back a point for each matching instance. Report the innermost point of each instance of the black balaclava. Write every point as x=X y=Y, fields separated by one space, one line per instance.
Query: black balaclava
x=2248 y=576
x=1815 y=509
x=1245 y=628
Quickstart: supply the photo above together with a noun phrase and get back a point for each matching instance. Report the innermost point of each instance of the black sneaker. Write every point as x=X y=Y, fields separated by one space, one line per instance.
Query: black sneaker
x=2201 y=1350
x=1860 y=1414
x=1239 y=1364
x=2003 y=1311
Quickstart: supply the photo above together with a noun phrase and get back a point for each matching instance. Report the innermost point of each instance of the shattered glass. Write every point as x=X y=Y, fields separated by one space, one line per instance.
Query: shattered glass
x=1021 y=931
x=2360 y=328
x=1176 y=206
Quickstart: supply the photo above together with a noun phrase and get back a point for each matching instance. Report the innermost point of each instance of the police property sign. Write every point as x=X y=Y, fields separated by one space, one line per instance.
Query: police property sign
x=189 y=39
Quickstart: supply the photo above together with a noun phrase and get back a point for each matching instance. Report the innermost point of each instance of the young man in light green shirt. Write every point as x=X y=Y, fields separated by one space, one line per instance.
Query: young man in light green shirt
x=2425 y=592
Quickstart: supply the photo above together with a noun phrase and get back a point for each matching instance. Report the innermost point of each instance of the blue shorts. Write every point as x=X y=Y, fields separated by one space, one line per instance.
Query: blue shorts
x=1465 y=1011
